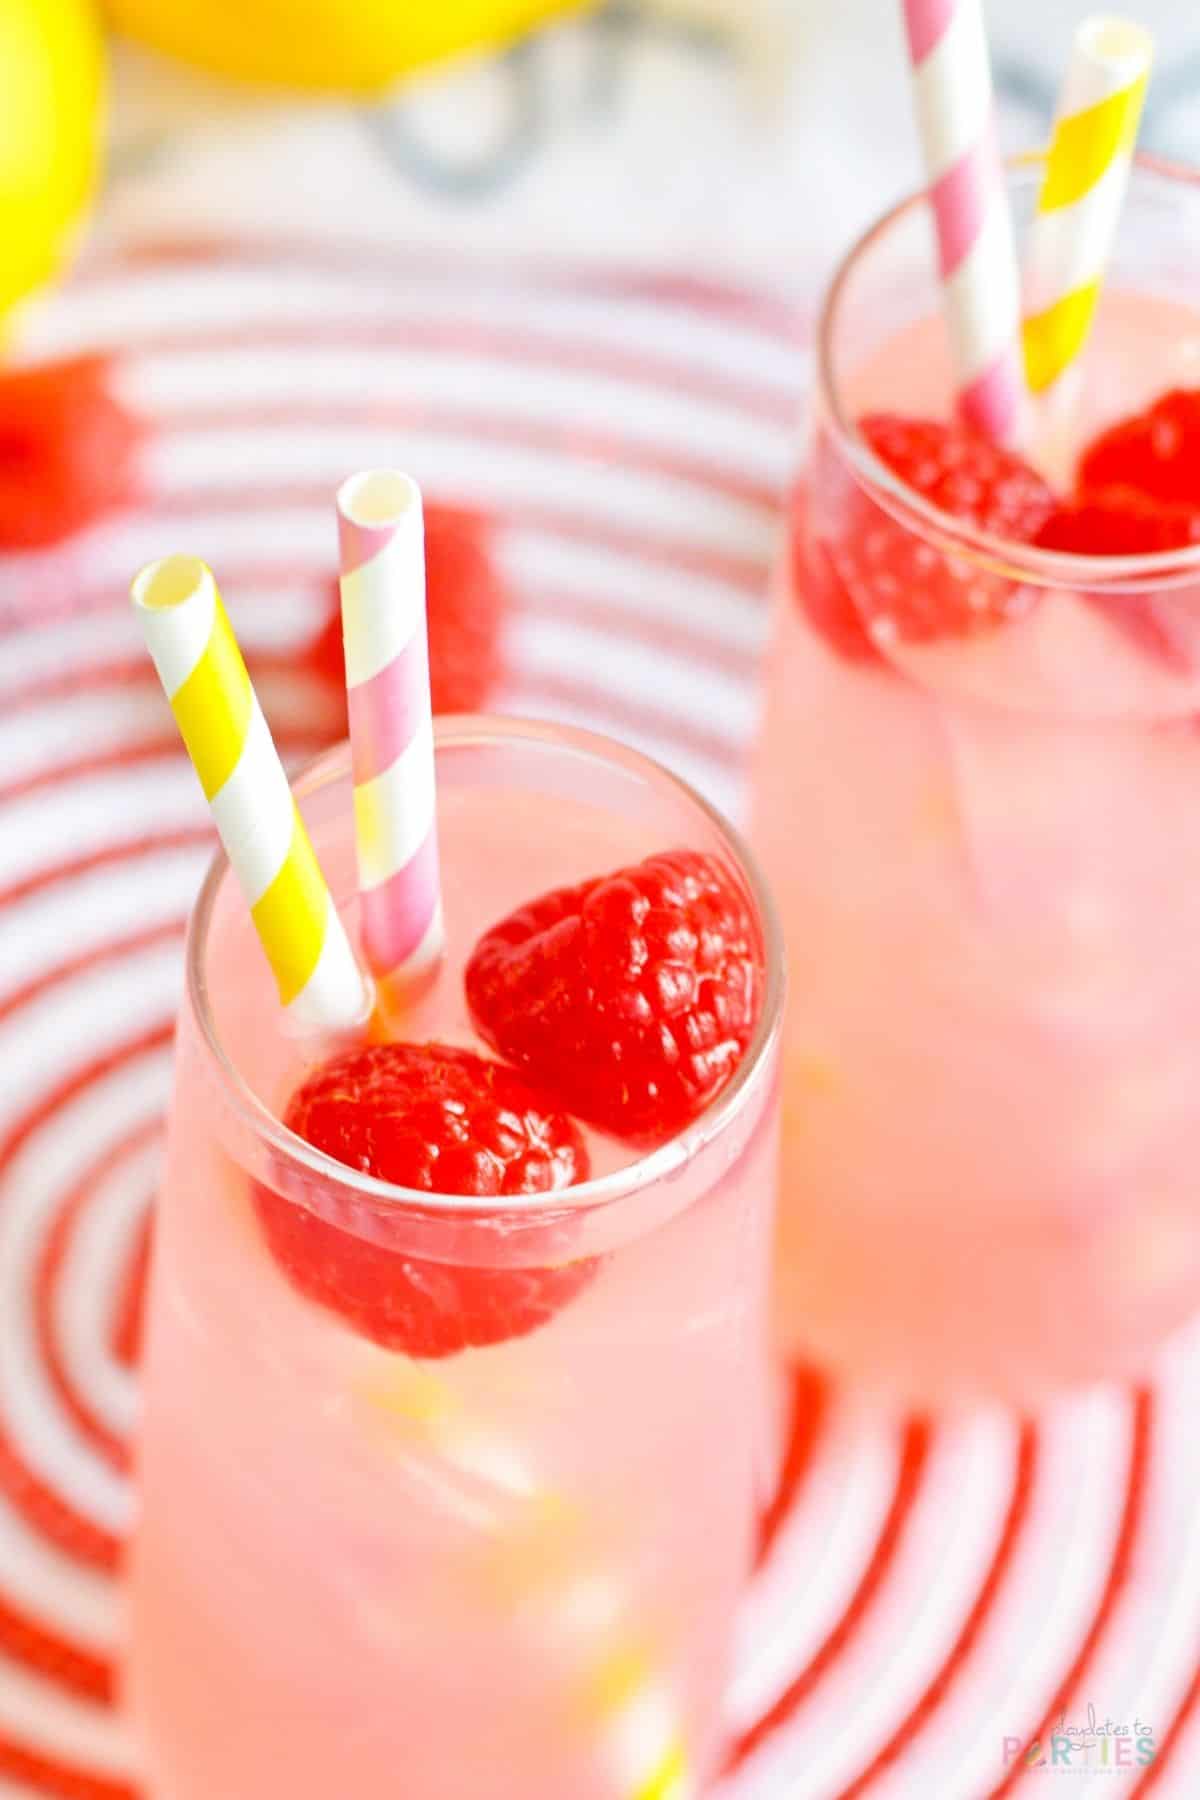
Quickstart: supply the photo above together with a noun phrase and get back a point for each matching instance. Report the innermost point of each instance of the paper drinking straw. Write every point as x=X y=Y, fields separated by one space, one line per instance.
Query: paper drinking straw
x=952 y=94
x=201 y=669
x=381 y=532
x=1079 y=207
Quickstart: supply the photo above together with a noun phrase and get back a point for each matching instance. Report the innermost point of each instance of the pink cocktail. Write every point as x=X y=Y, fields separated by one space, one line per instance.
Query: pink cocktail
x=978 y=800
x=510 y=1570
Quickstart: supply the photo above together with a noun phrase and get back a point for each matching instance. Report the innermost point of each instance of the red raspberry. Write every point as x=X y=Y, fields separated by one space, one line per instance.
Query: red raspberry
x=1156 y=451
x=962 y=474
x=879 y=582
x=1138 y=494
x=631 y=997
x=1119 y=521
x=67 y=450
x=443 y=1121
x=467 y=603
x=823 y=599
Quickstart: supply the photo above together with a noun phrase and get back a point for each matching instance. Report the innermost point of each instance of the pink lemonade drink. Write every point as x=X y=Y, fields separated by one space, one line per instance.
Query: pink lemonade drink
x=977 y=796
x=486 y=1542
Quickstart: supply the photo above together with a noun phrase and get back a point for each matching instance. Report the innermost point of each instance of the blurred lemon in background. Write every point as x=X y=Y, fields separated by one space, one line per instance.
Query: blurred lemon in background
x=51 y=117
x=337 y=44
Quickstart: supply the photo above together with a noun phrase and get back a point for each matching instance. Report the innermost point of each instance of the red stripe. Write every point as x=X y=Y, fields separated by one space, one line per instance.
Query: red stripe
x=1114 y=1586
x=161 y=749
x=549 y=692
x=27 y=1640
x=502 y=343
x=24 y=1639
x=47 y=1775
x=129 y=1313
x=751 y=310
x=1166 y=1742
x=87 y=959
x=746 y=572
x=606 y=616
x=54 y=1517
x=778 y=318
x=638 y=716
x=914 y=1456
x=569 y=442
x=51 y=1517
x=54 y=1253
x=284 y=686
x=158 y=749
x=65 y=684
x=54 y=1658
x=618 y=711
x=73 y=598
x=968 y=1638
x=810 y=1398
x=73 y=868
x=642 y=628
x=566 y=690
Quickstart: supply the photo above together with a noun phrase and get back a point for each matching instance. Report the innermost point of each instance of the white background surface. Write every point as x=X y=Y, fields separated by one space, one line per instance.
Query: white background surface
x=745 y=138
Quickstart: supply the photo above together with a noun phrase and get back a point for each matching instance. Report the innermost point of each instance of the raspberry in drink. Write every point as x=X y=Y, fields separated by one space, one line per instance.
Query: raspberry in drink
x=975 y=795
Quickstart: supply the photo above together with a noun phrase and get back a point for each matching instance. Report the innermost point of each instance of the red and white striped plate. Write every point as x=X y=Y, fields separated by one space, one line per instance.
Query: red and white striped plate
x=931 y=1595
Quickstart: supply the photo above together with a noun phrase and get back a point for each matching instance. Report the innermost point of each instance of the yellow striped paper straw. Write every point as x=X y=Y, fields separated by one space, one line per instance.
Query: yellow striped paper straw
x=1079 y=206
x=201 y=668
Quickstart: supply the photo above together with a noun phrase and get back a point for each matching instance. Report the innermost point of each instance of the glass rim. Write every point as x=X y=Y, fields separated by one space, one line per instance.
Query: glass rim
x=1002 y=556
x=297 y=1157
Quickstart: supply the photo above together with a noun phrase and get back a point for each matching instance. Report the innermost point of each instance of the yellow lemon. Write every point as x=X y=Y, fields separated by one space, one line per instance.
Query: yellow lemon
x=51 y=114
x=348 y=44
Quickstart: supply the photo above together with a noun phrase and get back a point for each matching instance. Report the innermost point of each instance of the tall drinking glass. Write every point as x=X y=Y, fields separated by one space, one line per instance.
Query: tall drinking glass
x=983 y=831
x=510 y=1570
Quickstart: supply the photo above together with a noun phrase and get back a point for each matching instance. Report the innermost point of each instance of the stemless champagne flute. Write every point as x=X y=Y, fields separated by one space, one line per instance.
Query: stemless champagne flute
x=509 y=1570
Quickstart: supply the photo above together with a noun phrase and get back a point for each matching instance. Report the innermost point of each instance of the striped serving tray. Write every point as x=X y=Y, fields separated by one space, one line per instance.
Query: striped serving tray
x=931 y=1594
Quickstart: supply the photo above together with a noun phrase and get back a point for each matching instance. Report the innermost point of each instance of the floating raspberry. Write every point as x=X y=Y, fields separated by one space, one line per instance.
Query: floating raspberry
x=440 y=1120
x=1157 y=452
x=632 y=997
x=963 y=474
x=823 y=599
x=1138 y=494
x=869 y=581
x=1120 y=521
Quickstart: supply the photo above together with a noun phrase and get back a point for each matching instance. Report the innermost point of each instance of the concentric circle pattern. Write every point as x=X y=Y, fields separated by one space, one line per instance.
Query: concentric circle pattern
x=931 y=1595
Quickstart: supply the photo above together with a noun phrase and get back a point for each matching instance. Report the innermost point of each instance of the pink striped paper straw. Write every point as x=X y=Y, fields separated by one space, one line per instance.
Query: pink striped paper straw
x=952 y=92
x=382 y=536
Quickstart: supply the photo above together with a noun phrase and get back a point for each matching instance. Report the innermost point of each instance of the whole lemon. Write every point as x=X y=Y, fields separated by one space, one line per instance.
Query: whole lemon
x=51 y=117
x=337 y=44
